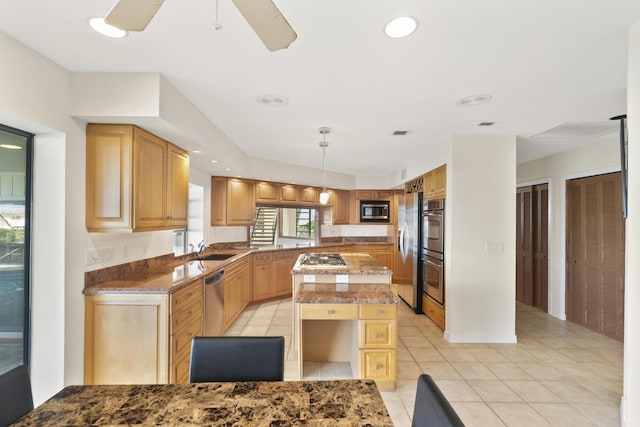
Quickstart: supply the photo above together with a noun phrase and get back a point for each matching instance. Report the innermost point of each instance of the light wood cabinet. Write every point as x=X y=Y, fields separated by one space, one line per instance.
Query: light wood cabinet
x=272 y=274
x=141 y=338
x=135 y=180
x=435 y=183
x=267 y=192
x=383 y=253
x=237 y=289
x=274 y=193
x=373 y=194
x=232 y=201
x=339 y=201
x=433 y=311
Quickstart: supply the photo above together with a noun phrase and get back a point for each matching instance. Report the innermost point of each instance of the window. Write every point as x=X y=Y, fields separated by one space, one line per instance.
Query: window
x=15 y=198
x=298 y=223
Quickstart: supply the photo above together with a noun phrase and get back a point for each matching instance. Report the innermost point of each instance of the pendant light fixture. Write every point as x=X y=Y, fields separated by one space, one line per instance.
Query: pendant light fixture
x=324 y=195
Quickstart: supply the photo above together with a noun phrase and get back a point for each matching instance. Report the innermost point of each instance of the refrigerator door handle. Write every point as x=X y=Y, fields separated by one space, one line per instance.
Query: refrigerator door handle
x=403 y=243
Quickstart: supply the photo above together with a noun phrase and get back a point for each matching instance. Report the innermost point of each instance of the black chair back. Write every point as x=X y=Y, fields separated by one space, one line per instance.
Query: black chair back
x=431 y=408
x=230 y=359
x=15 y=395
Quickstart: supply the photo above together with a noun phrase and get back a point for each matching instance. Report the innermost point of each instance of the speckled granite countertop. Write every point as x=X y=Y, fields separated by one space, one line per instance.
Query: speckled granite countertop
x=357 y=263
x=345 y=293
x=311 y=403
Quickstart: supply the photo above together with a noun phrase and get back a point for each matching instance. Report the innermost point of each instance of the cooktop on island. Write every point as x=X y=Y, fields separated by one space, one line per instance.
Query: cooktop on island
x=322 y=260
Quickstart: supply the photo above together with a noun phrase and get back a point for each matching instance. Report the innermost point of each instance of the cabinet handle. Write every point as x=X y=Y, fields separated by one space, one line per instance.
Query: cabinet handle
x=378 y=366
x=378 y=335
x=378 y=312
x=330 y=311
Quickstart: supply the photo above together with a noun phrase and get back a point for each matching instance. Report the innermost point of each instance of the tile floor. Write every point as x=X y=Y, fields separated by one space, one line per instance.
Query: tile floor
x=559 y=374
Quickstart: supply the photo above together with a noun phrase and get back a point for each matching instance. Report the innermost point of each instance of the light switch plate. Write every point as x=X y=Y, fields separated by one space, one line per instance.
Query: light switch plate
x=309 y=278
x=342 y=278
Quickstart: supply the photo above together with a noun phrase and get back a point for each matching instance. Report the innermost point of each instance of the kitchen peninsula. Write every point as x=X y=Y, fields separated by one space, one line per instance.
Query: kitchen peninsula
x=345 y=312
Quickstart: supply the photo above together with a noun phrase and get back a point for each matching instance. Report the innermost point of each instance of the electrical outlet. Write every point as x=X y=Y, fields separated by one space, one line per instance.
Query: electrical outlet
x=309 y=278
x=342 y=278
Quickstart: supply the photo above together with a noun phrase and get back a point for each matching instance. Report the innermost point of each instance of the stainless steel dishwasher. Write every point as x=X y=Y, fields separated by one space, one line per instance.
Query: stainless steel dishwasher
x=213 y=323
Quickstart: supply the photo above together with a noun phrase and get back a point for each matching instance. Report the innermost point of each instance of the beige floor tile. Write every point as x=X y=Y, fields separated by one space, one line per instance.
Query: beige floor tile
x=410 y=331
x=404 y=355
x=518 y=415
x=476 y=414
x=571 y=392
x=600 y=415
x=398 y=413
x=540 y=371
x=457 y=391
x=415 y=341
x=281 y=321
x=473 y=371
x=279 y=331
x=408 y=370
x=562 y=415
x=533 y=391
x=517 y=355
x=493 y=391
x=440 y=370
x=426 y=355
x=487 y=355
x=257 y=331
x=507 y=371
x=457 y=355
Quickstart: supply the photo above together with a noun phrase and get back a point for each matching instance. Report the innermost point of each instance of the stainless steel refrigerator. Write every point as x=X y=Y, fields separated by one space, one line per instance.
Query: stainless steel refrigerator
x=410 y=250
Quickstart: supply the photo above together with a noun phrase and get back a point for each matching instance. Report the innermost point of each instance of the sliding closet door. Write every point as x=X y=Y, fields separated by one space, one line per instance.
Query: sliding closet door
x=595 y=254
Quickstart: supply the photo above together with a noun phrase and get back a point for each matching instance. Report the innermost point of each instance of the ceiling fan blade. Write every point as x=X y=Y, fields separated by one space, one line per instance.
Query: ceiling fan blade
x=132 y=15
x=267 y=22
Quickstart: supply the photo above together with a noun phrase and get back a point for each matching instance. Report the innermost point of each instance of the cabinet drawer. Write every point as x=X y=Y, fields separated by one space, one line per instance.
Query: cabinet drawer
x=185 y=296
x=433 y=311
x=286 y=254
x=378 y=365
x=263 y=257
x=378 y=311
x=183 y=337
x=329 y=311
x=180 y=366
x=184 y=316
x=378 y=333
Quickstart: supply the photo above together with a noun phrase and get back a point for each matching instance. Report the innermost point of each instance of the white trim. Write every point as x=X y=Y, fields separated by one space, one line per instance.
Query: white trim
x=482 y=339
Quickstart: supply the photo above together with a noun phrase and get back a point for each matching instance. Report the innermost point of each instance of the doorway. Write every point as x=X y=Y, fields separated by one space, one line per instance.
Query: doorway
x=595 y=254
x=532 y=245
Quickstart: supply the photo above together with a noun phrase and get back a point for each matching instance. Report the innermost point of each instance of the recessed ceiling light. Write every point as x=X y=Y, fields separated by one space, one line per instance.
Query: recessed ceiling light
x=227 y=169
x=272 y=100
x=473 y=100
x=105 y=29
x=196 y=151
x=214 y=161
x=11 y=147
x=401 y=27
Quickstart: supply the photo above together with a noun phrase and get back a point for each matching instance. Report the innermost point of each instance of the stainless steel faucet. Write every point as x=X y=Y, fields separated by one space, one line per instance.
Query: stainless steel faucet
x=202 y=246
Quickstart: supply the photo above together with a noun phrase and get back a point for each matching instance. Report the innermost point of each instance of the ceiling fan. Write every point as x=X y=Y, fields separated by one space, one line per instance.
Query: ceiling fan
x=262 y=15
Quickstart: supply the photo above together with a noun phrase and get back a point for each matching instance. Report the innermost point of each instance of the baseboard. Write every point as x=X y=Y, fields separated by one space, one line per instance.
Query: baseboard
x=480 y=339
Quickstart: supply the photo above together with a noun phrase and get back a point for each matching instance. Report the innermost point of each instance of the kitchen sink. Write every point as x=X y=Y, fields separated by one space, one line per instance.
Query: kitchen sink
x=215 y=257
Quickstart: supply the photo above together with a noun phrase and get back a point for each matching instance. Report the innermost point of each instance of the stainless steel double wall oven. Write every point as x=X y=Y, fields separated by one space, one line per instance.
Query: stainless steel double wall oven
x=433 y=249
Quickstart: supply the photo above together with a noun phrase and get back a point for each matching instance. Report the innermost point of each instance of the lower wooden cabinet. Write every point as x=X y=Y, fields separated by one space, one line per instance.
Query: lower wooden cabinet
x=383 y=253
x=237 y=289
x=141 y=338
x=272 y=274
x=433 y=310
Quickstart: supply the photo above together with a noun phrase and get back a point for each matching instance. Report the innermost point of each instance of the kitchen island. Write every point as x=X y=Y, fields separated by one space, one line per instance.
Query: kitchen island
x=326 y=403
x=345 y=311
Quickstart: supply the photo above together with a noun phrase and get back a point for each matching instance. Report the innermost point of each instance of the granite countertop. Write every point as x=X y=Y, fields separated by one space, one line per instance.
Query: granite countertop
x=345 y=293
x=313 y=403
x=357 y=263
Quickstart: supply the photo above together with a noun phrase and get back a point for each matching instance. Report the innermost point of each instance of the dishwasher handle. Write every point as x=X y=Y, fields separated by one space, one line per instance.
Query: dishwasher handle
x=214 y=278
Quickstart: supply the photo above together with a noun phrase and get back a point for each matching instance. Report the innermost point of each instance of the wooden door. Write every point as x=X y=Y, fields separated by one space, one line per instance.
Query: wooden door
x=177 y=187
x=532 y=245
x=149 y=181
x=595 y=254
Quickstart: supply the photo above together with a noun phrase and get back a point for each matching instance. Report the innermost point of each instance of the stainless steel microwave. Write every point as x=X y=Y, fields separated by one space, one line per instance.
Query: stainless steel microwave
x=374 y=211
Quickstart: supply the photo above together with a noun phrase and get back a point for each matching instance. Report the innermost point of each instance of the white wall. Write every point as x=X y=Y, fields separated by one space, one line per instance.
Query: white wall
x=480 y=210
x=630 y=413
x=592 y=159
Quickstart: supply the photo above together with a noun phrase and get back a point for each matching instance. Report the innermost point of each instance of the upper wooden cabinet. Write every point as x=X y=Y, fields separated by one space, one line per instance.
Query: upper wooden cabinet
x=135 y=180
x=373 y=194
x=267 y=192
x=232 y=201
x=435 y=183
x=339 y=201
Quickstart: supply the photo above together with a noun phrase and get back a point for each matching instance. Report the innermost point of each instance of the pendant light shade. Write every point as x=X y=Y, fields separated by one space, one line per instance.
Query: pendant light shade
x=324 y=195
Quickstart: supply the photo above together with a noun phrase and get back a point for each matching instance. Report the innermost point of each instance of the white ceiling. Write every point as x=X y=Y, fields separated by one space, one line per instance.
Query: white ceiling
x=545 y=63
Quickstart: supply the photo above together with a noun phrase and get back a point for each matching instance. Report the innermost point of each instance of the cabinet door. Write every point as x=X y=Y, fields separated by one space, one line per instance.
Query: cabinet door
x=282 y=265
x=149 y=181
x=365 y=194
x=177 y=187
x=288 y=193
x=266 y=192
x=340 y=206
x=262 y=276
x=309 y=195
x=108 y=176
x=440 y=181
x=116 y=352
x=218 y=200
x=241 y=204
